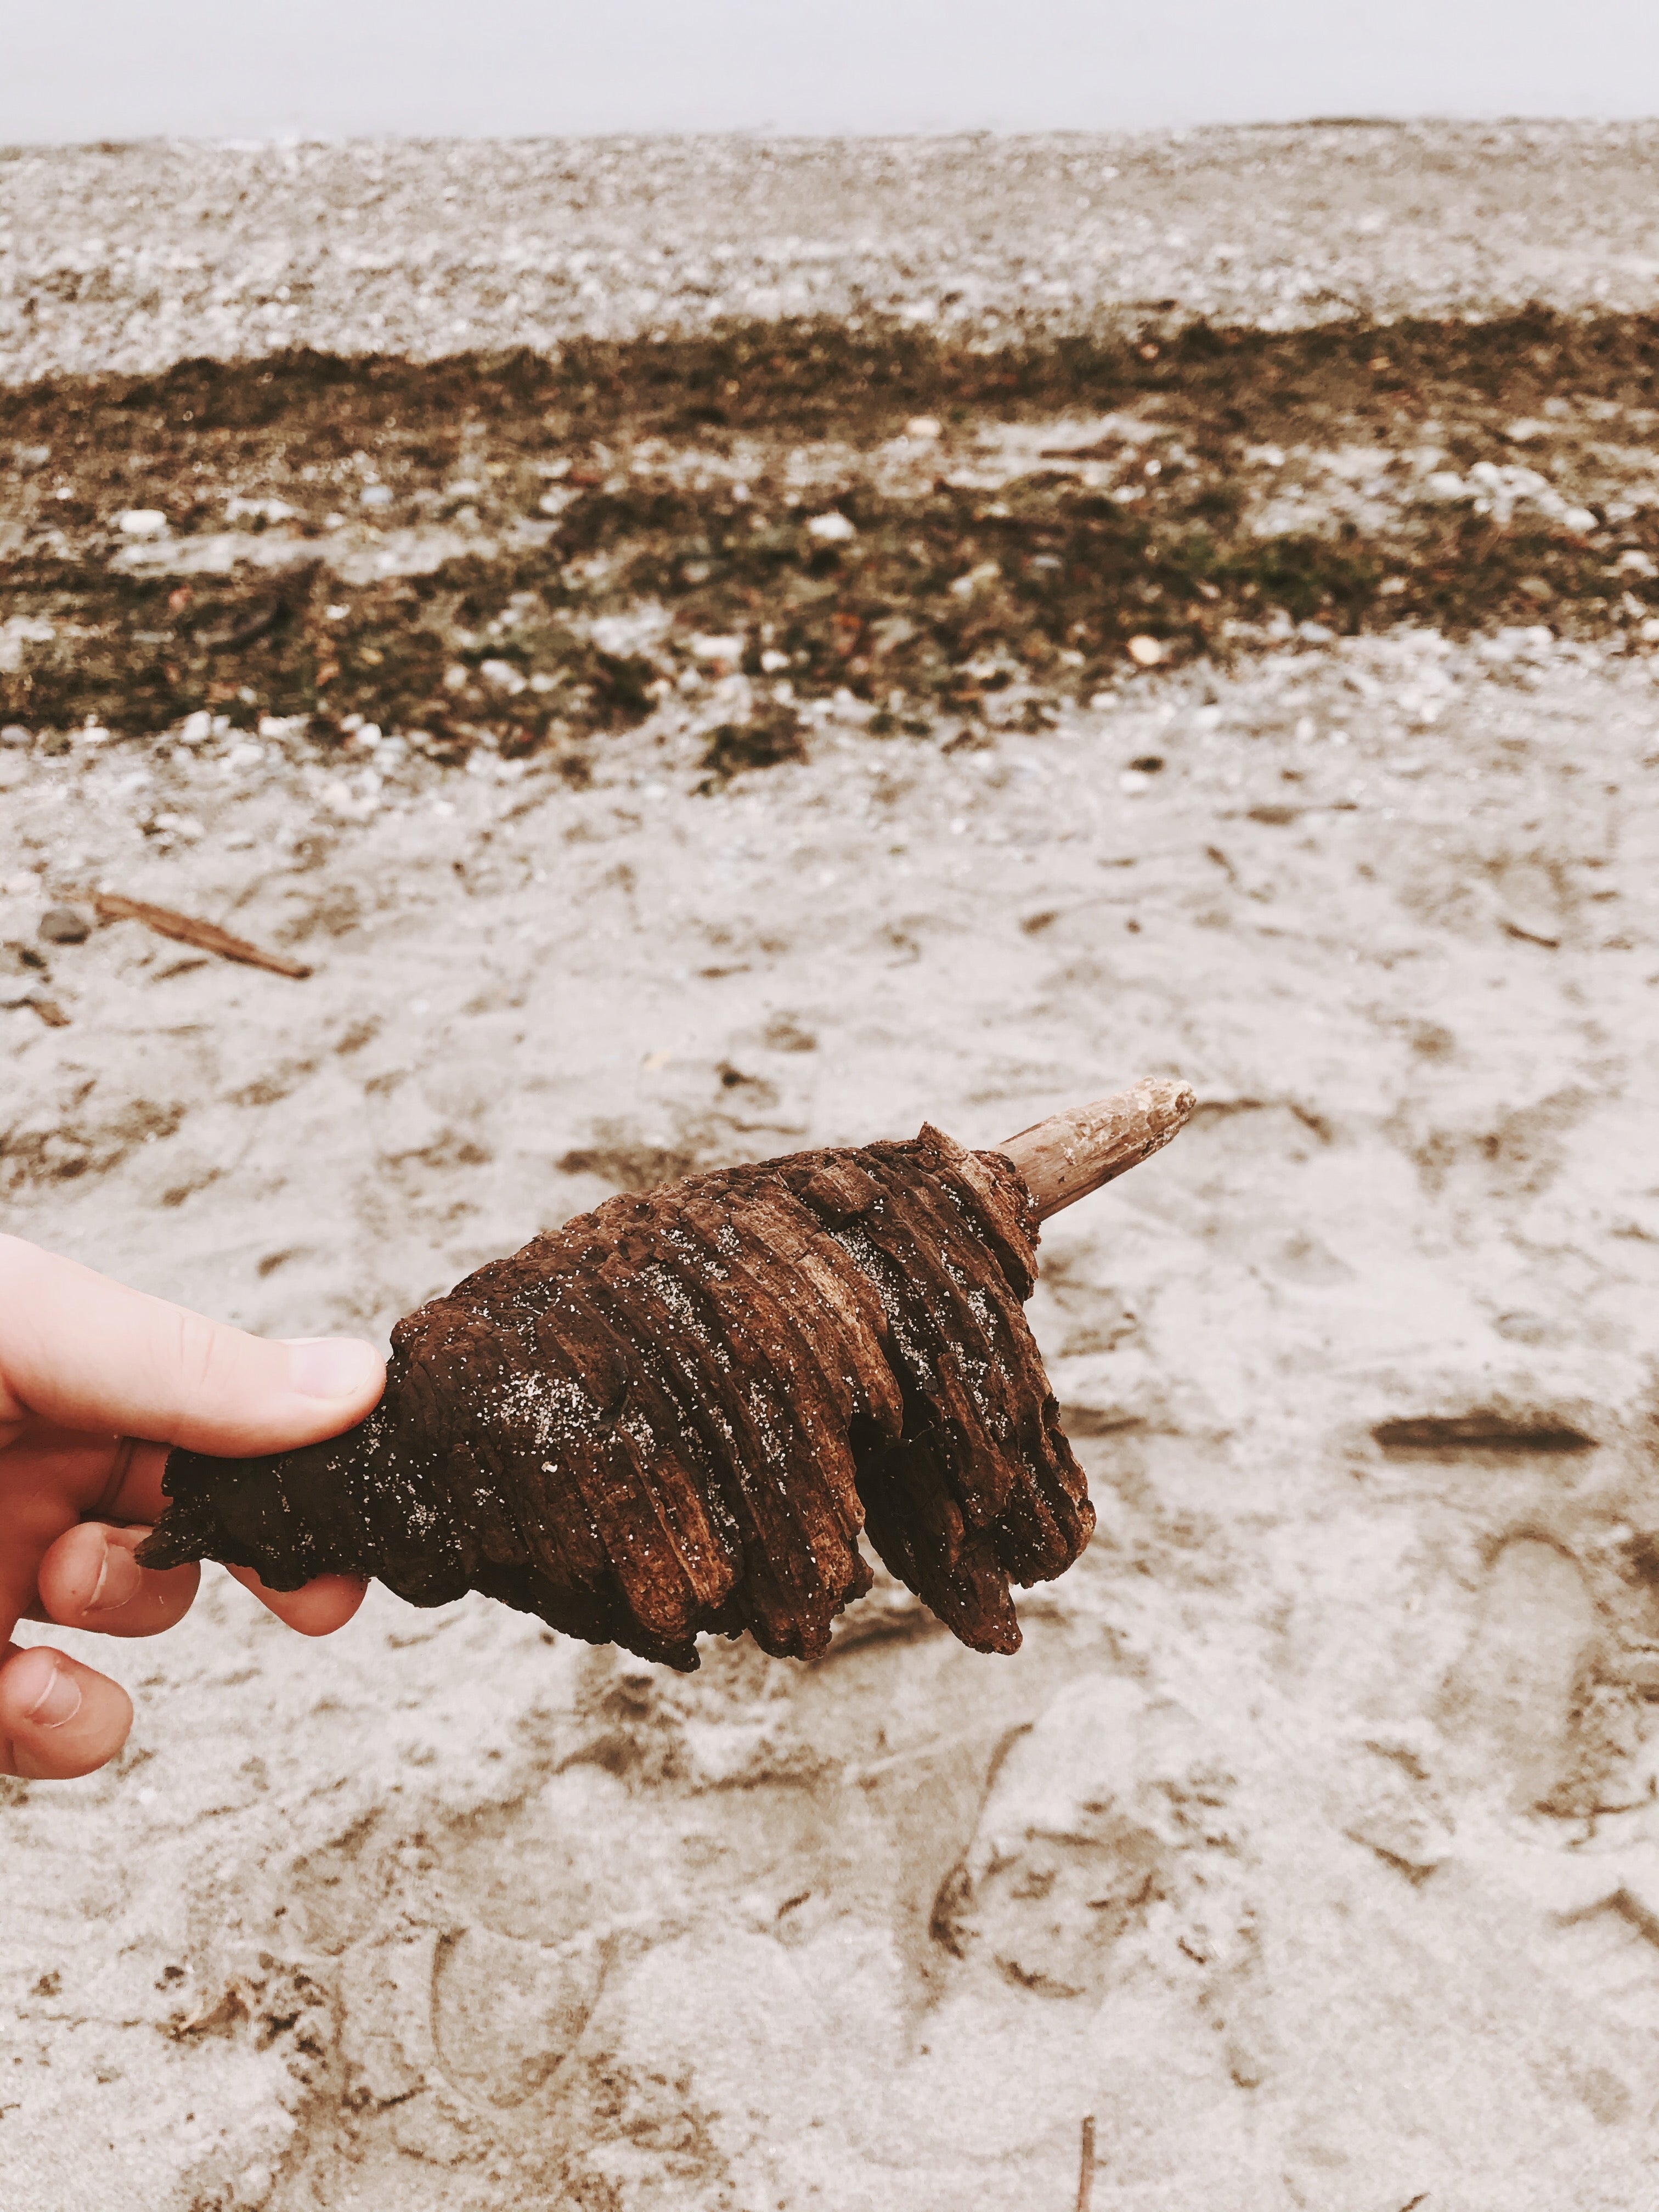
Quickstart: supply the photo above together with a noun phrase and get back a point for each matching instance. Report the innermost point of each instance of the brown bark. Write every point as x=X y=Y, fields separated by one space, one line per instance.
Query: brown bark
x=677 y=1414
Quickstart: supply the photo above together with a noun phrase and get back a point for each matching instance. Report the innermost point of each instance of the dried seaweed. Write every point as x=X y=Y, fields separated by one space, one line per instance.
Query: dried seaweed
x=942 y=597
x=676 y=1415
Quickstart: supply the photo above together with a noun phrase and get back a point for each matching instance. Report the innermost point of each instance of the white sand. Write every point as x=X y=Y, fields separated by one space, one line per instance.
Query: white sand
x=131 y=259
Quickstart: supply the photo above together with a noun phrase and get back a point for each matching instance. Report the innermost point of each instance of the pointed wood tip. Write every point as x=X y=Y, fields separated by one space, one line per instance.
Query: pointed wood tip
x=1073 y=1153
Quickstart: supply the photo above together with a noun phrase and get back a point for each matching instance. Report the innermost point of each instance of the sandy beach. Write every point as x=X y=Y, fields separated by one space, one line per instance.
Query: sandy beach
x=1309 y=1851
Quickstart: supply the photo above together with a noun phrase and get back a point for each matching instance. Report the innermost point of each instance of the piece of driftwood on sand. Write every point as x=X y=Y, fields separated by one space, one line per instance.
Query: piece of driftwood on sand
x=678 y=1413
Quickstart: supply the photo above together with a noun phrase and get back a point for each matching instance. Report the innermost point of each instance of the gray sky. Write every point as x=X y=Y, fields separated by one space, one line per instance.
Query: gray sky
x=78 y=69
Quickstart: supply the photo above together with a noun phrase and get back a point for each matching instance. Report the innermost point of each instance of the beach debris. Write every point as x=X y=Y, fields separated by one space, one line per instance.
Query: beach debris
x=774 y=734
x=22 y=971
x=677 y=1414
x=24 y=977
x=65 y=925
x=1085 y=2177
x=186 y=929
x=926 y=594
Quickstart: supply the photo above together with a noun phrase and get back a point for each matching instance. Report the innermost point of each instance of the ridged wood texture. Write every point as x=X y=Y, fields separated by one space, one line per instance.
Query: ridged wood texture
x=675 y=1414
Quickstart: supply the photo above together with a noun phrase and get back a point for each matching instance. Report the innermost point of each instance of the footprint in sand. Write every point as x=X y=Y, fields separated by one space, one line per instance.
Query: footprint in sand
x=1074 y=1843
x=1508 y=1705
x=507 y=2014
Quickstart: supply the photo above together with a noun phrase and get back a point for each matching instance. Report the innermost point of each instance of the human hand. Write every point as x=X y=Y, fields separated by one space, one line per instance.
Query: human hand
x=87 y=1367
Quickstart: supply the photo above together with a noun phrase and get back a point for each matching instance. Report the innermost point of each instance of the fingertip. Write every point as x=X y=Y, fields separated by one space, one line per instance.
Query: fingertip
x=58 y=1720
x=324 y=1605
x=317 y=1608
x=90 y=1580
x=344 y=1371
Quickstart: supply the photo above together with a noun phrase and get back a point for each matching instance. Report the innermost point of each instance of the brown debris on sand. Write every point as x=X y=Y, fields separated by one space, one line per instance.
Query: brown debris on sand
x=185 y=929
x=676 y=1414
x=1085 y=510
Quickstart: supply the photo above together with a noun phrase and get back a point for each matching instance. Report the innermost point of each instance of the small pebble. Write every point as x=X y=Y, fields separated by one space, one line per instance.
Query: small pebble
x=16 y=734
x=65 y=925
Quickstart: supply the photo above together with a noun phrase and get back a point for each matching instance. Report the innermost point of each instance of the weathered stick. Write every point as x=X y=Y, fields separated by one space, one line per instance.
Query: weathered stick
x=184 y=929
x=1064 y=1159
x=1085 y=2177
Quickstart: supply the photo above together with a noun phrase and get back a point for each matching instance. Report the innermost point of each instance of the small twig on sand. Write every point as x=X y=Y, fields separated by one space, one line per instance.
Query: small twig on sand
x=111 y=906
x=1085 y=2179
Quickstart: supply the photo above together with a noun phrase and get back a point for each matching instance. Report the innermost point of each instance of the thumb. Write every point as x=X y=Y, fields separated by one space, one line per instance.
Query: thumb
x=89 y=1354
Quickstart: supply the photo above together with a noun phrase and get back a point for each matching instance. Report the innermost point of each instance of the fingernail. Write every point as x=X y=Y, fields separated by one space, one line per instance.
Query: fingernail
x=58 y=1702
x=120 y=1578
x=333 y=1366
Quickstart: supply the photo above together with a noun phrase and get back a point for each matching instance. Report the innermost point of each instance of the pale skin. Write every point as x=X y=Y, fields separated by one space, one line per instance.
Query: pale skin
x=96 y=1381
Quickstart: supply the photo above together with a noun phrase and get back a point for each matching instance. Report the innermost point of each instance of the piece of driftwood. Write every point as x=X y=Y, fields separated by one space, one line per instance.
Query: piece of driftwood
x=677 y=1413
x=184 y=929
